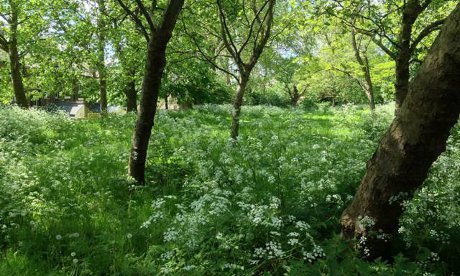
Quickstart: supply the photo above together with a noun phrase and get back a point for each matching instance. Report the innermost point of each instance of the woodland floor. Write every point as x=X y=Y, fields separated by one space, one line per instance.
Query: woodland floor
x=269 y=203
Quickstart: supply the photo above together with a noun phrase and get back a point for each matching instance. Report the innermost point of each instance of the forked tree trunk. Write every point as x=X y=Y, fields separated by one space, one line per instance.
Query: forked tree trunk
x=156 y=62
x=413 y=142
x=237 y=103
x=15 y=65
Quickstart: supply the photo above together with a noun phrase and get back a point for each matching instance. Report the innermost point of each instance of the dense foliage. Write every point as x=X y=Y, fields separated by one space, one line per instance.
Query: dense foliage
x=65 y=46
x=267 y=203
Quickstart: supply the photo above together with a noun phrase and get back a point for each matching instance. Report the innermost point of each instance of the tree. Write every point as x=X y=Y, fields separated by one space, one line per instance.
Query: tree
x=351 y=55
x=11 y=12
x=397 y=27
x=101 y=41
x=129 y=48
x=413 y=142
x=258 y=31
x=158 y=36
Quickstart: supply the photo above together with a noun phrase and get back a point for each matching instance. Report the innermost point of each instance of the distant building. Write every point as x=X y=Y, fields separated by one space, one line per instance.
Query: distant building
x=75 y=109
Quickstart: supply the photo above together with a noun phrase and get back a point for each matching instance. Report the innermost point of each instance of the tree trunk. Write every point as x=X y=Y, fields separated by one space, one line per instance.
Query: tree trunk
x=166 y=101
x=237 y=103
x=101 y=68
x=412 y=10
x=156 y=62
x=365 y=68
x=413 y=142
x=370 y=95
x=75 y=89
x=131 y=95
x=15 y=65
x=402 y=78
x=295 y=96
x=369 y=87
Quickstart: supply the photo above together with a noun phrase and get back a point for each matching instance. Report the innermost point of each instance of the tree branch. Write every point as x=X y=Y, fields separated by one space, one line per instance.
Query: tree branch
x=251 y=28
x=425 y=32
x=227 y=36
x=4 y=43
x=258 y=48
x=382 y=46
x=210 y=60
x=136 y=20
x=146 y=14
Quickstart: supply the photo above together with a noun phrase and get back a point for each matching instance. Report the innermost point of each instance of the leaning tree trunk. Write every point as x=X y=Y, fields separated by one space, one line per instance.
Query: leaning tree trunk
x=15 y=65
x=413 y=142
x=156 y=62
x=237 y=103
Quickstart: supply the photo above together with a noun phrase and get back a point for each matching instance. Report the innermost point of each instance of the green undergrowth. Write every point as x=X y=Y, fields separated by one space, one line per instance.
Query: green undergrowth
x=267 y=204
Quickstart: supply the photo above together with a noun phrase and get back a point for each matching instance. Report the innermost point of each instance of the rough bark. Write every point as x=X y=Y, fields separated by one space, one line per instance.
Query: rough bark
x=406 y=46
x=15 y=65
x=237 y=103
x=413 y=142
x=101 y=68
x=156 y=62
